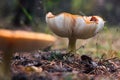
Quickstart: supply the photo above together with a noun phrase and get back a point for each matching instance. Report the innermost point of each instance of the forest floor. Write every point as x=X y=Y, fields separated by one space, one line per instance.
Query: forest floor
x=57 y=65
x=97 y=58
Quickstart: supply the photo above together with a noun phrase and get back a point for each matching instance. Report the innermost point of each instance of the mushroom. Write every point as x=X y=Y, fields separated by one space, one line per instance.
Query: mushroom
x=19 y=41
x=74 y=26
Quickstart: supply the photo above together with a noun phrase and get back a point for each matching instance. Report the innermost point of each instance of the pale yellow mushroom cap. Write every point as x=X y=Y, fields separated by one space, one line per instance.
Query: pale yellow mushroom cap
x=24 y=41
x=68 y=25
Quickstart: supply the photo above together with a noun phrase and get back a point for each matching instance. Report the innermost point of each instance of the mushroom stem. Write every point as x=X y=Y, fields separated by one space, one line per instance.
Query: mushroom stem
x=6 y=64
x=72 y=44
x=6 y=75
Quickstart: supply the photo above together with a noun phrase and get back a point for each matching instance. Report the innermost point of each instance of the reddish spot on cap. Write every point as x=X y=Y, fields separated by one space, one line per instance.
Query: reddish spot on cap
x=93 y=19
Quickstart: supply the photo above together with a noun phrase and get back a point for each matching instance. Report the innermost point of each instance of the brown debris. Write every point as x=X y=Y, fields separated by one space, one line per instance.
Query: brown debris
x=69 y=67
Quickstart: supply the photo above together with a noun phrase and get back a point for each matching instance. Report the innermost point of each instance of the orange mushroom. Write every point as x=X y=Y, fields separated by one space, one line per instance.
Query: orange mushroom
x=14 y=41
x=74 y=26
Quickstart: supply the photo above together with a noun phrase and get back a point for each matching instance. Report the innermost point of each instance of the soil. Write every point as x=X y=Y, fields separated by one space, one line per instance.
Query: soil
x=59 y=65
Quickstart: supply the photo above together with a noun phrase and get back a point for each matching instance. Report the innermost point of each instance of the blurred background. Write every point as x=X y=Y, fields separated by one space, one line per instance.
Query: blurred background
x=30 y=15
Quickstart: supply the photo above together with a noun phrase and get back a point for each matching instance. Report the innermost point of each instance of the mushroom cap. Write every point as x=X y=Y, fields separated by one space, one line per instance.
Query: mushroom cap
x=19 y=40
x=68 y=25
